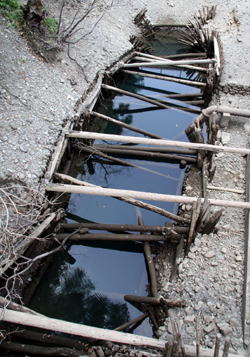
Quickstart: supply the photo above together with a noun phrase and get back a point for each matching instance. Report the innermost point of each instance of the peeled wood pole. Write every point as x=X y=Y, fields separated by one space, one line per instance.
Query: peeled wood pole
x=111 y=192
x=93 y=333
x=148 y=99
x=137 y=203
x=149 y=58
x=168 y=63
x=124 y=125
x=71 y=328
x=167 y=78
x=160 y=142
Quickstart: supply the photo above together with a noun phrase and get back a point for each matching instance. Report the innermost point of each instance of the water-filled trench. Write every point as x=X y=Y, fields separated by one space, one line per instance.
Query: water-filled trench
x=87 y=282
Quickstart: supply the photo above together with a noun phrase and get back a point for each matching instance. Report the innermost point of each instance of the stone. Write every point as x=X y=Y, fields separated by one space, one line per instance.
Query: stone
x=209 y=254
x=209 y=328
x=224 y=328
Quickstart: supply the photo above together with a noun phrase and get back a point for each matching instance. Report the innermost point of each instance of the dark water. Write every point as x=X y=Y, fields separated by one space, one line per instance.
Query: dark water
x=87 y=284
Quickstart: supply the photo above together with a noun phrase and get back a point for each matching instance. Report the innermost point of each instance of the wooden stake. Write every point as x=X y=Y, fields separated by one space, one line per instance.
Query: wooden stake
x=137 y=203
x=160 y=142
x=167 y=78
x=155 y=301
x=124 y=125
x=124 y=326
x=111 y=192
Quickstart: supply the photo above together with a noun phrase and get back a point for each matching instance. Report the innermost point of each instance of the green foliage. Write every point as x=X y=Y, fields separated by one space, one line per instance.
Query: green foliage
x=11 y=9
x=51 y=23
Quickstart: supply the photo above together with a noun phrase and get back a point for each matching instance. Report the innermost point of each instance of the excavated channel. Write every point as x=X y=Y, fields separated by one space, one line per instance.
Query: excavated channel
x=86 y=283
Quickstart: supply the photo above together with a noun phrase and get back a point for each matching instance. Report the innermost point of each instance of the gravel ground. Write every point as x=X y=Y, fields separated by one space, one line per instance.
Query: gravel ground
x=37 y=99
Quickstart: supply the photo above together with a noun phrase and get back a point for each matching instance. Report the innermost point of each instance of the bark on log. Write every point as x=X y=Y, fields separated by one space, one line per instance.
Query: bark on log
x=39 y=350
x=147 y=148
x=160 y=142
x=156 y=301
x=131 y=322
x=167 y=78
x=49 y=339
x=78 y=237
x=124 y=125
x=110 y=192
x=129 y=200
x=124 y=227
x=147 y=154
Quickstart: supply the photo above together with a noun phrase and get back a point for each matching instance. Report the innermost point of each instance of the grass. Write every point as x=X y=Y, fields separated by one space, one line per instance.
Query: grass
x=51 y=23
x=11 y=9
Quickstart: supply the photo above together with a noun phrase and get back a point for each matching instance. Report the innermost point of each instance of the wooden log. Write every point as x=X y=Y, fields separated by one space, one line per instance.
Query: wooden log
x=168 y=78
x=226 y=347
x=169 y=63
x=111 y=192
x=185 y=55
x=147 y=148
x=71 y=328
x=5 y=303
x=94 y=151
x=155 y=301
x=124 y=326
x=149 y=99
x=160 y=142
x=217 y=347
x=39 y=350
x=48 y=339
x=226 y=189
x=93 y=333
x=195 y=216
x=124 y=228
x=129 y=200
x=149 y=263
x=78 y=237
x=124 y=125
x=148 y=155
x=146 y=57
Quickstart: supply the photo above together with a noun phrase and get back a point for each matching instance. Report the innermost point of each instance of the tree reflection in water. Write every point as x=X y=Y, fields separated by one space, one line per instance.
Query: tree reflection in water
x=71 y=295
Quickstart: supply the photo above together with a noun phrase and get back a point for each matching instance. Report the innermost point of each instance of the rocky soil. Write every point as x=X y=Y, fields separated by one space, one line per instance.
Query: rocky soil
x=38 y=98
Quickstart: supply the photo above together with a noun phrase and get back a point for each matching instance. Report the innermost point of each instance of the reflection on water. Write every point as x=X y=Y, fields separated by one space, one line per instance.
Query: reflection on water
x=87 y=283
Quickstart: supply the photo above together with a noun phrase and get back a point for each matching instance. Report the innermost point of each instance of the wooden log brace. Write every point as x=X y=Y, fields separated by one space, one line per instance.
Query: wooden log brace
x=128 y=324
x=167 y=78
x=155 y=301
x=147 y=148
x=110 y=192
x=129 y=200
x=79 y=237
x=150 y=100
x=26 y=319
x=124 y=125
x=124 y=227
x=169 y=63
